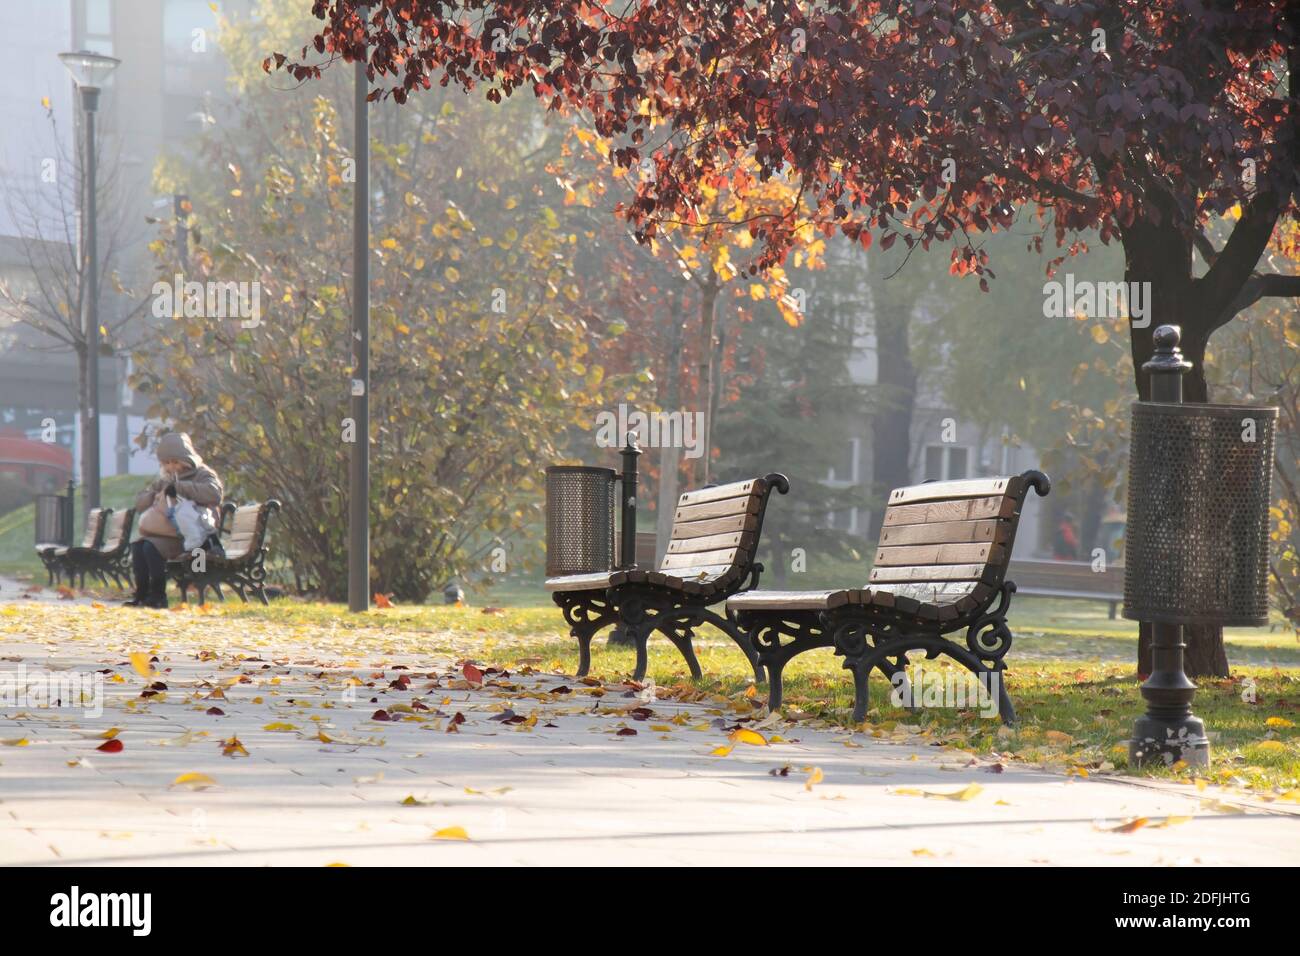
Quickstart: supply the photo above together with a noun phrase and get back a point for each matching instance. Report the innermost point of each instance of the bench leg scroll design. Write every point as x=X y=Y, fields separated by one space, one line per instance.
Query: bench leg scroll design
x=865 y=646
x=766 y=632
x=644 y=610
x=586 y=613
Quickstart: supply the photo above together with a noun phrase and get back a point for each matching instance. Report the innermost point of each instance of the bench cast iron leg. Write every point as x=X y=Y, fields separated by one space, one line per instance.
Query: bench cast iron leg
x=587 y=613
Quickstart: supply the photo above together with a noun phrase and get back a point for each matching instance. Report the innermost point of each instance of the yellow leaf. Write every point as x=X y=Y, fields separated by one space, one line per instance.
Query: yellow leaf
x=140 y=661
x=720 y=751
x=743 y=735
x=1057 y=737
x=815 y=776
x=451 y=833
x=195 y=781
x=45 y=101
x=921 y=851
x=16 y=742
x=968 y=792
x=1272 y=746
x=1279 y=722
x=389 y=243
x=279 y=727
x=1100 y=335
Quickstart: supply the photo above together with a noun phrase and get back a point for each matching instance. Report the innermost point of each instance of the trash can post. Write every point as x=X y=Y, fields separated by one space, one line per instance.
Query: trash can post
x=627 y=557
x=1168 y=731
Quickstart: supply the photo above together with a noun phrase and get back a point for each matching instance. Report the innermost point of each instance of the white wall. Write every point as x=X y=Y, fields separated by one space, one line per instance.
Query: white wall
x=142 y=461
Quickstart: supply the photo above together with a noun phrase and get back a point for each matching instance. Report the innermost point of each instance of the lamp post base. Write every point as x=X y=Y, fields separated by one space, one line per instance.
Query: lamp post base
x=1161 y=741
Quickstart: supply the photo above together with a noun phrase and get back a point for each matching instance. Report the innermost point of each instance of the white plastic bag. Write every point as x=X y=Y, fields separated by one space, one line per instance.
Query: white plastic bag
x=194 y=523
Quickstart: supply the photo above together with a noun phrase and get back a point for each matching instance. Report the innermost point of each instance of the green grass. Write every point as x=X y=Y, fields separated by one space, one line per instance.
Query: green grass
x=17 y=528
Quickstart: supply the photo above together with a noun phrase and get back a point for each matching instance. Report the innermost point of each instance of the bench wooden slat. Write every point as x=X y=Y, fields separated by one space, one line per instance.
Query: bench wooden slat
x=961 y=509
x=964 y=488
x=118 y=525
x=984 y=551
x=94 y=526
x=735 y=539
x=699 y=559
x=736 y=489
x=946 y=532
x=724 y=508
x=797 y=600
x=245 y=520
x=685 y=530
x=930 y=572
x=698 y=572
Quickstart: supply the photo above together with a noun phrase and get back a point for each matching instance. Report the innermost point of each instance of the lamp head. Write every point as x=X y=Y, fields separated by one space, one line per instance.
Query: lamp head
x=89 y=69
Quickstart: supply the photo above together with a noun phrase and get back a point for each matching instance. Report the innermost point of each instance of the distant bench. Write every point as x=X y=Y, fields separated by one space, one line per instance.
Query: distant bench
x=1072 y=580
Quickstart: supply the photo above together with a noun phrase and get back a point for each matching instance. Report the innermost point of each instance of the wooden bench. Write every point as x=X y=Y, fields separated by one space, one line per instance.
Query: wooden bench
x=710 y=557
x=53 y=555
x=112 y=558
x=1070 y=580
x=939 y=568
x=243 y=536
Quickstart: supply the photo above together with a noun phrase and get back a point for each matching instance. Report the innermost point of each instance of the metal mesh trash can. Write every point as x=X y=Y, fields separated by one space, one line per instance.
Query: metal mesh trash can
x=53 y=520
x=579 y=519
x=1200 y=485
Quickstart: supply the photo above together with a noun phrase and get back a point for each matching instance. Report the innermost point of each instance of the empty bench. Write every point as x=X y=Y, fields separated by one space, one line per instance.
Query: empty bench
x=1070 y=580
x=710 y=557
x=53 y=555
x=110 y=558
x=243 y=568
x=940 y=568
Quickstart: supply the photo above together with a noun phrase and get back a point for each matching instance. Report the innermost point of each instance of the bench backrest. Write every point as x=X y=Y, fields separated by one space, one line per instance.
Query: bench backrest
x=117 y=533
x=716 y=530
x=942 y=540
x=96 y=518
x=247 y=534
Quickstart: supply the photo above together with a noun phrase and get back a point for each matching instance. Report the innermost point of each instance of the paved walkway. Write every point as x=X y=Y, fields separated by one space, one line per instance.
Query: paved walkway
x=240 y=745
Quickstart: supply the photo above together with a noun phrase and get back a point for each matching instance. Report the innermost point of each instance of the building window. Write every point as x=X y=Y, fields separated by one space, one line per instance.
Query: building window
x=98 y=34
x=845 y=472
x=946 y=462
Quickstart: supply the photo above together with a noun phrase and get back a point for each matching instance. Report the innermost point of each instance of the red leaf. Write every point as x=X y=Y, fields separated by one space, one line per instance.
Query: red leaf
x=380 y=715
x=472 y=674
x=110 y=747
x=215 y=712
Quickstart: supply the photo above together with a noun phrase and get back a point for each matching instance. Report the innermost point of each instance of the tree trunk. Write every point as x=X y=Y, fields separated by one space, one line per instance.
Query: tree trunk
x=704 y=371
x=1162 y=256
x=670 y=457
x=891 y=422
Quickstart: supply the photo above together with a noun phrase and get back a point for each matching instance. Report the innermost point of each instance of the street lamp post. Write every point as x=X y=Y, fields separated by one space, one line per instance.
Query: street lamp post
x=89 y=70
x=359 y=466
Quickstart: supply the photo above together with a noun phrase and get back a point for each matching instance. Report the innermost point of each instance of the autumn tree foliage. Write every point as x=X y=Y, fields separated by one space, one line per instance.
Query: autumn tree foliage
x=929 y=123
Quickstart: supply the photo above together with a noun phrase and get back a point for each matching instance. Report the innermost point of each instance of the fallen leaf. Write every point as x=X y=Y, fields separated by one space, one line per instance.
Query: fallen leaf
x=110 y=746
x=1128 y=826
x=195 y=781
x=742 y=735
x=720 y=751
x=450 y=833
x=815 y=776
